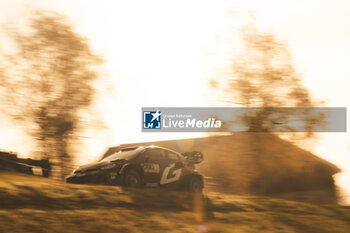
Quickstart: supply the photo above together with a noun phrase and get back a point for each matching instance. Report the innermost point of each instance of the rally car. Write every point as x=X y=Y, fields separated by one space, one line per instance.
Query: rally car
x=140 y=166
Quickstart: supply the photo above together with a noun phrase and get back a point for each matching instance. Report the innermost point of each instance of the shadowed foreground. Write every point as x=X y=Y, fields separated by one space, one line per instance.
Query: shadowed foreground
x=33 y=204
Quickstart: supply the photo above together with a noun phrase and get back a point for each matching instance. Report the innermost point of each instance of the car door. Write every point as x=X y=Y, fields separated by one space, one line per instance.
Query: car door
x=153 y=163
x=171 y=173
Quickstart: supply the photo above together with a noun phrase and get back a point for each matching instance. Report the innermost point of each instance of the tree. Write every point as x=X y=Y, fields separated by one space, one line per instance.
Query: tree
x=263 y=77
x=48 y=81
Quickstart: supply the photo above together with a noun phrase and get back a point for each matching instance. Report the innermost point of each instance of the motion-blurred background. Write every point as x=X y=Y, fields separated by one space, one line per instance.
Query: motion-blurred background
x=75 y=74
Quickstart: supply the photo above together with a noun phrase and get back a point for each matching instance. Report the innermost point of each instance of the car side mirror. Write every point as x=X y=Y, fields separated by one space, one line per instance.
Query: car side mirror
x=179 y=165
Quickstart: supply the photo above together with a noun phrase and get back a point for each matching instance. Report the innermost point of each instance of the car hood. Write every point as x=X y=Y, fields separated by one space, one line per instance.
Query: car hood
x=90 y=166
x=96 y=165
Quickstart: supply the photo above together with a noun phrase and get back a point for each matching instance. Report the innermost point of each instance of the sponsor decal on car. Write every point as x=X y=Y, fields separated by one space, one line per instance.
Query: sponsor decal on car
x=170 y=174
x=151 y=167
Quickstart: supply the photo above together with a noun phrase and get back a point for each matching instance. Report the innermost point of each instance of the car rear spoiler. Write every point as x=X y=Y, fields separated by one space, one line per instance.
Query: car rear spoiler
x=193 y=157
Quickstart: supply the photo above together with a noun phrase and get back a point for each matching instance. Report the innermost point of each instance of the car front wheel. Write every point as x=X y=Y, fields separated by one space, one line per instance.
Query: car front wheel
x=132 y=179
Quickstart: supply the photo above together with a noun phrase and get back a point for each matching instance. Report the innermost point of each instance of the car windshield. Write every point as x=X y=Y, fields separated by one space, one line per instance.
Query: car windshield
x=123 y=154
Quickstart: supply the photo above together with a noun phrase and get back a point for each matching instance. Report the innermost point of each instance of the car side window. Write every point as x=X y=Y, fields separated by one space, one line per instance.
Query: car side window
x=172 y=157
x=152 y=156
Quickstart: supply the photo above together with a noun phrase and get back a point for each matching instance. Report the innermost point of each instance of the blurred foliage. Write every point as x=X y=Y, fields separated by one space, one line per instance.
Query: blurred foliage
x=48 y=80
x=263 y=77
x=33 y=204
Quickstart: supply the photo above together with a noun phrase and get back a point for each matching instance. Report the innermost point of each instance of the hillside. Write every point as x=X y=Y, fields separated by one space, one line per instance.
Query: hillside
x=33 y=204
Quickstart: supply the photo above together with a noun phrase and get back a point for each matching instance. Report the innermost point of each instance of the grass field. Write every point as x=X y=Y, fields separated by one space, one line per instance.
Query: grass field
x=33 y=204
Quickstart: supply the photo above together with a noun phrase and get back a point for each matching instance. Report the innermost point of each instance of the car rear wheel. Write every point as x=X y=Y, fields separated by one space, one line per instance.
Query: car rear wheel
x=132 y=179
x=196 y=185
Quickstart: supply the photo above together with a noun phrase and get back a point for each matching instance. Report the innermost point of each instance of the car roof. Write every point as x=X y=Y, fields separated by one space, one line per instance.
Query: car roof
x=111 y=150
x=156 y=147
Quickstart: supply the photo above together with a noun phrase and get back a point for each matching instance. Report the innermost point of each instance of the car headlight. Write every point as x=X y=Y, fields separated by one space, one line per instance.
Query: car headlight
x=108 y=166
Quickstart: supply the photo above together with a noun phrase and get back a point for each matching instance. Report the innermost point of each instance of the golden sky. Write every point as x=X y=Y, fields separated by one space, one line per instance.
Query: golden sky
x=179 y=45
